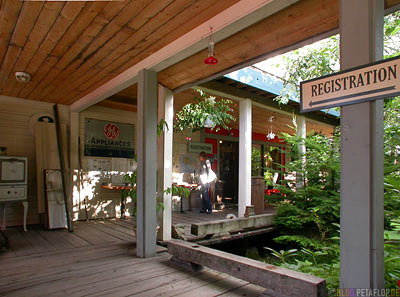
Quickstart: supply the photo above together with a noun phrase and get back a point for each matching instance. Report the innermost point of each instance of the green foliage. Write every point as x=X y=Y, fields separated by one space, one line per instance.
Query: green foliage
x=314 y=208
x=255 y=162
x=282 y=255
x=392 y=137
x=162 y=126
x=193 y=115
x=308 y=218
x=178 y=191
x=309 y=62
x=298 y=241
x=131 y=179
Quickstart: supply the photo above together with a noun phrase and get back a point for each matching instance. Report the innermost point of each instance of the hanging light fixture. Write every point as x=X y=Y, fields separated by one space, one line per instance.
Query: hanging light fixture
x=210 y=60
x=271 y=134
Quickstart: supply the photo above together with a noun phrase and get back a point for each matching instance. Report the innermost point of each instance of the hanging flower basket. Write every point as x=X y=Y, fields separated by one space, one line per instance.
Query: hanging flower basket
x=205 y=112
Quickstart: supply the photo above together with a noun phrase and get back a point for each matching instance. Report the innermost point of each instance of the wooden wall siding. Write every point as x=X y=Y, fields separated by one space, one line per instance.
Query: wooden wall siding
x=102 y=203
x=70 y=48
x=17 y=135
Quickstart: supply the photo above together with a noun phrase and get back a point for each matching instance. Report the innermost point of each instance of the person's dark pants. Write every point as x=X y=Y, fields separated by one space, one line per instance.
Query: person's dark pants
x=205 y=201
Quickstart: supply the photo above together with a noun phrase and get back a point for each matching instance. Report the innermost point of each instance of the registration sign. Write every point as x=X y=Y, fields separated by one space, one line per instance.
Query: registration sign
x=198 y=147
x=365 y=83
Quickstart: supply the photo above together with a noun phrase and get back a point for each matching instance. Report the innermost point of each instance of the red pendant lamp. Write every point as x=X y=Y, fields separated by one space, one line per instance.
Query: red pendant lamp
x=210 y=60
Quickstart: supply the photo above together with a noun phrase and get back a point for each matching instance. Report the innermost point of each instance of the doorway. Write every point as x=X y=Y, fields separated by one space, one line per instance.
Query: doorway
x=229 y=170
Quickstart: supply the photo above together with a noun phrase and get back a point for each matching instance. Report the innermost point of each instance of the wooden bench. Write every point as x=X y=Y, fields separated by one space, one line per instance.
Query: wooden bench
x=278 y=282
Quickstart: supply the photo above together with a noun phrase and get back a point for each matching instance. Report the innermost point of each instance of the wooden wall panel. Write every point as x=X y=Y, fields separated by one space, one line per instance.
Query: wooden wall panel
x=16 y=134
x=101 y=202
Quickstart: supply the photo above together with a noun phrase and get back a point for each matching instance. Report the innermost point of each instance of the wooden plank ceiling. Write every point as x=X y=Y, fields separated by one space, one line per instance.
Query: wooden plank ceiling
x=72 y=48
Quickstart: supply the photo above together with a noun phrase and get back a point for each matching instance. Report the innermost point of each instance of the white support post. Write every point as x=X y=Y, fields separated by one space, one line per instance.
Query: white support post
x=147 y=163
x=301 y=132
x=164 y=162
x=361 y=211
x=244 y=155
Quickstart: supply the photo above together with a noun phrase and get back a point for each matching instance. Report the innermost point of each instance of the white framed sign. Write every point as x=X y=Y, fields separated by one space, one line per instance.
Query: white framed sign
x=365 y=83
x=198 y=147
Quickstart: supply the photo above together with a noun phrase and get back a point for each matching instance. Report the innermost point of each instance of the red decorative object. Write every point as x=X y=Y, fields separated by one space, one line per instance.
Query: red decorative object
x=111 y=131
x=210 y=60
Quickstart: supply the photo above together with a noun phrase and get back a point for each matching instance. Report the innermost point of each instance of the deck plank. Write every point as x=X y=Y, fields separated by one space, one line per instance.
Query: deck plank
x=122 y=229
x=93 y=235
x=18 y=243
x=246 y=290
x=99 y=259
x=185 y=286
x=59 y=242
x=113 y=232
x=216 y=288
x=69 y=283
x=72 y=238
x=39 y=244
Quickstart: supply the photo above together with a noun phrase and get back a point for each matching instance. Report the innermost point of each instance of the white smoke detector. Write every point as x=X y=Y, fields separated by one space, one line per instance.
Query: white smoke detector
x=22 y=77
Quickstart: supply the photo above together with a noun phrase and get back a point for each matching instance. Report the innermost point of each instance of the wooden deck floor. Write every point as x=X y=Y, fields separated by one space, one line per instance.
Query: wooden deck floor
x=98 y=259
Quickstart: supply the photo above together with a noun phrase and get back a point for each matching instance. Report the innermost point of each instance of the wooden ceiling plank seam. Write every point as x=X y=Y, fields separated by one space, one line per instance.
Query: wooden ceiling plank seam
x=81 y=80
x=49 y=88
x=83 y=20
x=9 y=14
x=228 y=19
x=117 y=105
x=27 y=18
x=235 y=49
x=124 y=60
x=9 y=62
x=72 y=54
x=149 y=40
x=64 y=20
x=95 y=57
x=121 y=21
x=46 y=19
x=126 y=63
x=154 y=23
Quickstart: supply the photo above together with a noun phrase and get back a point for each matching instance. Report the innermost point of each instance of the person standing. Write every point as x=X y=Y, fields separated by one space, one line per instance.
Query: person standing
x=205 y=180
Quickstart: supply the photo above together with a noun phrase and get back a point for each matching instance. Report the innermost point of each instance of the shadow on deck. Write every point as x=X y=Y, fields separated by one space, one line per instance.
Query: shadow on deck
x=98 y=259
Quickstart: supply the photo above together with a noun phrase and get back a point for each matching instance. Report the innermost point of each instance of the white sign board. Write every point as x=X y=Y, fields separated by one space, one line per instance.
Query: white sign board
x=369 y=82
x=198 y=147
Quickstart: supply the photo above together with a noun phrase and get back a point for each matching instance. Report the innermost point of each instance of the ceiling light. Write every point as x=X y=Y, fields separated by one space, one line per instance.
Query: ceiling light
x=22 y=76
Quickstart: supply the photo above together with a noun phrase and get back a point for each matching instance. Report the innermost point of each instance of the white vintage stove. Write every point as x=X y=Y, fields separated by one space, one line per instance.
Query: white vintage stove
x=13 y=184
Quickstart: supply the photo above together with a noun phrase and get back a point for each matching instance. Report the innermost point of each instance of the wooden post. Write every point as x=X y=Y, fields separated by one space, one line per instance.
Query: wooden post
x=147 y=163
x=361 y=209
x=164 y=162
x=244 y=155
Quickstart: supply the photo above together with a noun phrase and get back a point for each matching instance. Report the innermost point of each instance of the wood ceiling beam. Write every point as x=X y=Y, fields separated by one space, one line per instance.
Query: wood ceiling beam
x=312 y=21
x=220 y=89
x=298 y=22
x=230 y=21
x=118 y=105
